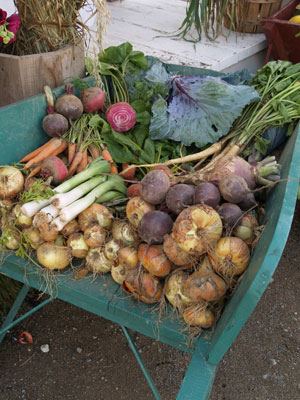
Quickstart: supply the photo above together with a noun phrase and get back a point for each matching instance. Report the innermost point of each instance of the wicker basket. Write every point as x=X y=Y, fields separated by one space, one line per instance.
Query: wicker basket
x=245 y=15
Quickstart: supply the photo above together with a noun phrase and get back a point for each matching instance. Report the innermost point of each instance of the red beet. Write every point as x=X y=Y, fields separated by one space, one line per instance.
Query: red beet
x=53 y=166
x=93 y=99
x=55 y=124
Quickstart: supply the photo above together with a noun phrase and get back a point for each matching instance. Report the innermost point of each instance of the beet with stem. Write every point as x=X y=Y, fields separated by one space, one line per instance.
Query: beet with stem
x=154 y=226
x=179 y=197
x=155 y=186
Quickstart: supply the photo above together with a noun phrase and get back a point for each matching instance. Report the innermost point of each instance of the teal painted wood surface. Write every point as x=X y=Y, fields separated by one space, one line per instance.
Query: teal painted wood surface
x=21 y=132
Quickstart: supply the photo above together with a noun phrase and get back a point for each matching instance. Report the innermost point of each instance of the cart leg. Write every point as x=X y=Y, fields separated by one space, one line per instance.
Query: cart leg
x=198 y=380
x=141 y=364
x=9 y=321
x=14 y=309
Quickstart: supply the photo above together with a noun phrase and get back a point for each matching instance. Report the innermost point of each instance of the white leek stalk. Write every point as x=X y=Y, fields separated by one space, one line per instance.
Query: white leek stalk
x=98 y=167
x=46 y=214
x=62 y=200
x=70 y=212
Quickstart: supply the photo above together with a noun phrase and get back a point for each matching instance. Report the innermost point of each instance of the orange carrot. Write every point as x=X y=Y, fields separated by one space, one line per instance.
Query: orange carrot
x=47 y=151
x=134 y=190
x=71 y=152
x=75 y=162
x=94 y=151
x=61 y=148
x=113 y=169
x=106 y=155
x=129 y=174
x=34 y=172
x=36 y=151
x=83 y=162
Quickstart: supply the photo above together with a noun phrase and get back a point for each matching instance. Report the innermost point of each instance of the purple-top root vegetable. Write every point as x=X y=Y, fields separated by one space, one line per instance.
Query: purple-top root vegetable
x=233 y=188
x=54 y=124
x=154 y=226
x=69 y=105
x=207 y=193
x=155 y=186
x=93 y=99
x=230 y=214
x=179 y=197
x=53 y=166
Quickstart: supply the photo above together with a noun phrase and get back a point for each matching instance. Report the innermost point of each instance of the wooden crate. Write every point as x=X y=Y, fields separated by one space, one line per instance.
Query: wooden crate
x=246 y=15
x=26 y=76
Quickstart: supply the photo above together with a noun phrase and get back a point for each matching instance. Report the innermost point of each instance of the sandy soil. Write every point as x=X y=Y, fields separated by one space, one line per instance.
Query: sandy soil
x=89 y=357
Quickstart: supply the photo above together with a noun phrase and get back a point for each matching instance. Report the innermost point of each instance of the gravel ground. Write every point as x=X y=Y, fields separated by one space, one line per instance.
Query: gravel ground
x=89 y=357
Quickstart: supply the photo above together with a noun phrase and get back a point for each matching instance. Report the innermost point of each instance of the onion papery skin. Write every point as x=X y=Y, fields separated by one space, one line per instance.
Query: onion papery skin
x=197 y=228
x=53 y=257
x=95 y=214
x=136 y=208
x=97 y=262
x=121 y=116
x=154 y=259
x=174 y=289
x=11 y=182
x=204 y=286
x=199 y=315
x=78 y=245
x=230 y=257
x=175 y=254
x=143 y=286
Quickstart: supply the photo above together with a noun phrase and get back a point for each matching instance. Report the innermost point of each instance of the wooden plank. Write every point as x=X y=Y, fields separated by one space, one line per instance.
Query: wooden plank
x=31 y=73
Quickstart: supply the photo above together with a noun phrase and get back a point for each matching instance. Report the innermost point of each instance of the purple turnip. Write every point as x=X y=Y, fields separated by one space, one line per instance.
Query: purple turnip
x=69 y=105
x=230 y=214
x=155 y=186
x=154 y=226
x=55 y=124
x=233 y=188
x=179 y=197
x=207 y=193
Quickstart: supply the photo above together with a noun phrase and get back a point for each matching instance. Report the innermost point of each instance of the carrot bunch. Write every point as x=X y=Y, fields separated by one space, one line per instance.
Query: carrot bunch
x=53 y=147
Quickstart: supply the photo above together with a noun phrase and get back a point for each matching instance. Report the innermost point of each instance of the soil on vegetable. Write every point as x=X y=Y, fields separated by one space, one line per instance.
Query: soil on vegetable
x=89 y=357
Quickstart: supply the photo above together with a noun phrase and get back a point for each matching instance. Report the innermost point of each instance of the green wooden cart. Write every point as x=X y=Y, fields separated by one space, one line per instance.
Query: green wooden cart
x=20 y=132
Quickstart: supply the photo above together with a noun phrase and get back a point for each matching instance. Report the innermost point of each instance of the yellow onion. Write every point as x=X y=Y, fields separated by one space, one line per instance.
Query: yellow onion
x=204 y=286
x=53 y=257
x=119 y=272
x=33 y=237
x=128 y=255
x=143 y=286
x=97 y=262
x=47 y=232
x=154 y=259
x=197 y=228
x=230 y=257
x=173 y=289
x=94 y=235
x=21 y=220
x=111 y=249
x=200 y=315
x=95 y=214
x=11 y=182
x=122 y=230
x=136 y=208
x=247 y=229
x=175 y=254
x=11 y=238
x=78 y=245
x=5 y=205
x=71 y=227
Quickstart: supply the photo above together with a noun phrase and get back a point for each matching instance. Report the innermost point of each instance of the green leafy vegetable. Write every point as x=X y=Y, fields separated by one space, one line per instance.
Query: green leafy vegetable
x=200 y=110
